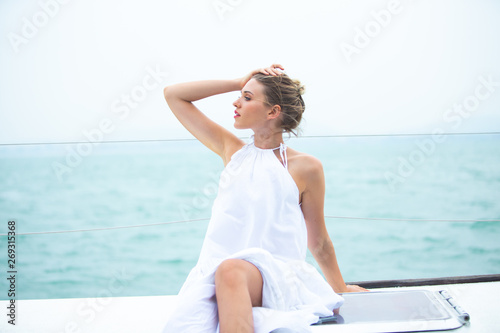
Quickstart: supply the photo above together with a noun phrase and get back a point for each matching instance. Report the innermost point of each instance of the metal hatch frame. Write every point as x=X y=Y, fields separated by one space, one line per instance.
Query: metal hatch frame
x=396 y=311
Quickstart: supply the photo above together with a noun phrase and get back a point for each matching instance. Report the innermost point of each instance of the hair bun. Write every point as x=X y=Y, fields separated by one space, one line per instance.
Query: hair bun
x=301 y=89
x=287 y=93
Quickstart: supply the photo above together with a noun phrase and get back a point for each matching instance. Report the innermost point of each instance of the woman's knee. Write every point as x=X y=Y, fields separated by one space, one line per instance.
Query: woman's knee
x=231 y=272
x=237 y=273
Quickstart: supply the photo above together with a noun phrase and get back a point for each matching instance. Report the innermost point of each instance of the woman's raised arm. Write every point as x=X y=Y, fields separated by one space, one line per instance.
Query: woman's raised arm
x=180 y=97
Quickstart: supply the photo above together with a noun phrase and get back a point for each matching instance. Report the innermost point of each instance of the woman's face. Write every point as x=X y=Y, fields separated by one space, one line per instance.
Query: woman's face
x=251 y=108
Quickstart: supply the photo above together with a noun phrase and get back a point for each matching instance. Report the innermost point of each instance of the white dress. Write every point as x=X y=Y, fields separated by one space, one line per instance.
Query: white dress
x=257 y=217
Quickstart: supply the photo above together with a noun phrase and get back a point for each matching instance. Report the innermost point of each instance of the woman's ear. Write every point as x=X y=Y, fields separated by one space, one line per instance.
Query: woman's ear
x=274 y=112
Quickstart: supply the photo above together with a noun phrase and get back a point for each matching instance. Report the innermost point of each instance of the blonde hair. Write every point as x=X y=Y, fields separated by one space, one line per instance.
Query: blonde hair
x=287 y=93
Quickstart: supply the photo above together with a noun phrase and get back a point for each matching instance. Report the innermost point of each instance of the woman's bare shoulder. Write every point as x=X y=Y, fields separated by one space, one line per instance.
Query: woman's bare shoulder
x=232 y=147
x=302 y=162
x=305 y=169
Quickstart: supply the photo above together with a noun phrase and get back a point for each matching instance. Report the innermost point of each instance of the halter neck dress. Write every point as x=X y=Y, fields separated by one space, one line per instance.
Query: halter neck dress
x=257 y=217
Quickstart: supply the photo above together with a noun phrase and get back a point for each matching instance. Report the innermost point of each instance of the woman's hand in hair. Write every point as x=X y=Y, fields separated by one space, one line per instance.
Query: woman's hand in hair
x=274 y=69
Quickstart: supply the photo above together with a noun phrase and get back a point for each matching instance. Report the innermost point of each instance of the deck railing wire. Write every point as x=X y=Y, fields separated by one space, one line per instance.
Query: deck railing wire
x=206 y=219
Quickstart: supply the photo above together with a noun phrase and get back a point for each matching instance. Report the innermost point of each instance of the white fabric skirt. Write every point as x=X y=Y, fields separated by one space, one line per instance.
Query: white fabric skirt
x=294 y=296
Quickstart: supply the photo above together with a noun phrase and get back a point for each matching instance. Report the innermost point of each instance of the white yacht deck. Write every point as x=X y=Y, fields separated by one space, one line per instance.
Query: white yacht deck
x=148 y=314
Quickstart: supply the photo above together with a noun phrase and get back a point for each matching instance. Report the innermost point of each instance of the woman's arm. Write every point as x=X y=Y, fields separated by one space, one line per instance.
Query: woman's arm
x=319 y=242
x=180 y=97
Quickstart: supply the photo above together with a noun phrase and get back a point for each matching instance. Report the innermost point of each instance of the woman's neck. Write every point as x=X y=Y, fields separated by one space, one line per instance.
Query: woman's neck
x=268 y=139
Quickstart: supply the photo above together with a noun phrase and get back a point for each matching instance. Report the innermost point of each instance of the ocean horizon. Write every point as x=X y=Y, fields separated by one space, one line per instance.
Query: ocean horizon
x=396 y=207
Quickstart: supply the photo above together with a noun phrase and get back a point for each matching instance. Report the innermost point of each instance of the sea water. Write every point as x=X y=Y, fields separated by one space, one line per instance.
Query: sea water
x=67 y=187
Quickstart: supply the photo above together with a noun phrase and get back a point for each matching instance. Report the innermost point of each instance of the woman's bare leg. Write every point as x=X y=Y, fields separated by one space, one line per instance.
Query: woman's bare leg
x=238 y=287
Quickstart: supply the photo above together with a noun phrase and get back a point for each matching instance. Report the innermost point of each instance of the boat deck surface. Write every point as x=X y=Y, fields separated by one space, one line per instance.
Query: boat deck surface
x=148 y=314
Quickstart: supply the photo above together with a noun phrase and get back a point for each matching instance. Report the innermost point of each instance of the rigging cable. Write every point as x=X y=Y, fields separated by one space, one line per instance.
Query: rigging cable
x=206 y=219
x=243 y=138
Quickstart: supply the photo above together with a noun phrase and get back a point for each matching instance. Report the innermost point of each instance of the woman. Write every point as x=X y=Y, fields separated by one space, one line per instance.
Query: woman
x=252 y=274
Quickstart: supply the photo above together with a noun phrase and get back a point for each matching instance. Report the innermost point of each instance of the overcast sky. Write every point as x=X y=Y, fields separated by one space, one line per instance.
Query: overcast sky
x=369 y=67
